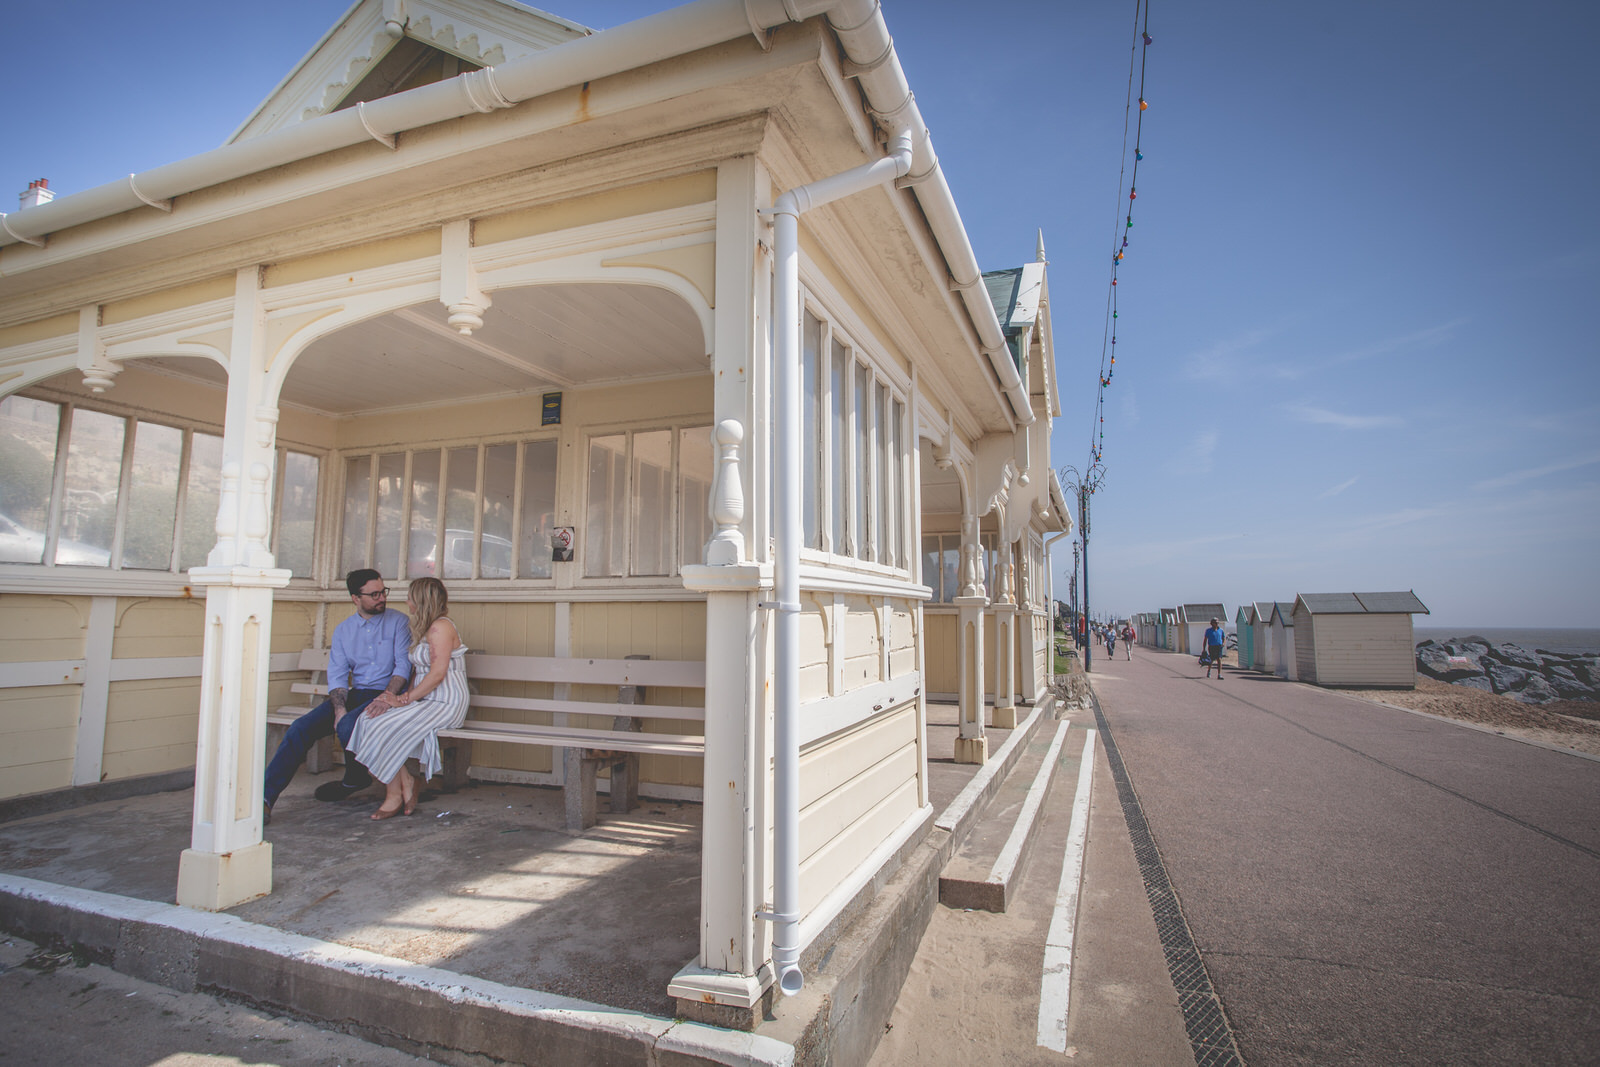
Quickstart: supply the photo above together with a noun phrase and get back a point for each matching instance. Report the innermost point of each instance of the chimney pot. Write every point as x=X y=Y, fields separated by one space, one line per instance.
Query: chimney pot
x=38 y=192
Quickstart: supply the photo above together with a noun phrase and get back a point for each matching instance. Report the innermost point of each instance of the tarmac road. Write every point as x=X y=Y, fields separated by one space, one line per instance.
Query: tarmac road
x=1363 y=884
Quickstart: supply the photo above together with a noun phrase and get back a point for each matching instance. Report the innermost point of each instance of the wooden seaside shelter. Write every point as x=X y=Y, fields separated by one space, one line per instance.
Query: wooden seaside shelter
x=1284 y=664
x=1356 y=639
x=651 y=341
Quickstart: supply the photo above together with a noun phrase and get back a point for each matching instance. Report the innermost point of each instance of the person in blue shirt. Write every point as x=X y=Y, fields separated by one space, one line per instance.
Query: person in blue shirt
x=1215 y=640
x=369 y=655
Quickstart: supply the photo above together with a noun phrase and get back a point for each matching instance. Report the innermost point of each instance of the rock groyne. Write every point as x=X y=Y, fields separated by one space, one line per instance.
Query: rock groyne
x=1533 y=676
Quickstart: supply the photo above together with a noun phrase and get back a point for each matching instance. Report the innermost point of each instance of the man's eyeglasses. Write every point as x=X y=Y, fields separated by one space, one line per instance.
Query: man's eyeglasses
x=379 y=595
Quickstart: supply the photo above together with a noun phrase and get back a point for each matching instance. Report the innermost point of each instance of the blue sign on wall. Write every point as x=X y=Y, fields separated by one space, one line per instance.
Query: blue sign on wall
x=551 y=415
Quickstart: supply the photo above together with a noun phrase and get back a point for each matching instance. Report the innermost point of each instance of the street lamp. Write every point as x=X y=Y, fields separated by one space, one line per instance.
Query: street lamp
x=1084 y=485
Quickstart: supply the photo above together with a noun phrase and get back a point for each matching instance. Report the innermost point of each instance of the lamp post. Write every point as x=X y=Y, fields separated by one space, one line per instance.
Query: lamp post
x=1085 y=485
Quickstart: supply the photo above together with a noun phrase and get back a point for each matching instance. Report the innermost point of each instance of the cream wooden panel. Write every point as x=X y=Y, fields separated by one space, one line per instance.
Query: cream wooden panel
x=830 y=765
x=510 y=630
x=861 y=644
x=34 y=628
x=832 y=863
x=39 y=330
x=35 y=778
x=161 y=627
x=940 y=664
x=835 y=813
x=218 y=288
x=812 y=653
x=1365 y=650
x=152 y=726
x=355 y=258
x=681 y=191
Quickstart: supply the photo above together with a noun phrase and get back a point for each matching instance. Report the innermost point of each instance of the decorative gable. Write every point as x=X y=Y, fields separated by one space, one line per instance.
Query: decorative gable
x=382 y=47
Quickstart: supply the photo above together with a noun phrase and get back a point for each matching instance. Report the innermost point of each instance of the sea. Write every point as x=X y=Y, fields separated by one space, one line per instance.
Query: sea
x=1556 y=640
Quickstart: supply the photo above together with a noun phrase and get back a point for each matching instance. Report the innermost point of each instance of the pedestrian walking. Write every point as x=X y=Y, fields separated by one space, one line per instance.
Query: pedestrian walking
x=1215 y=640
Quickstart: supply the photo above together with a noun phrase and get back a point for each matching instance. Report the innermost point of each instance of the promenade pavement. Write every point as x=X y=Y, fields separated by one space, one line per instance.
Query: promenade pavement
x=1365 y=885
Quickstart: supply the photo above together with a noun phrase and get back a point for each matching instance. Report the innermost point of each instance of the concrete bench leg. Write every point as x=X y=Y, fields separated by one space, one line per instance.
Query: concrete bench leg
x=579 y=790
x=625 y=784
x=320 y=756
x=457 y=757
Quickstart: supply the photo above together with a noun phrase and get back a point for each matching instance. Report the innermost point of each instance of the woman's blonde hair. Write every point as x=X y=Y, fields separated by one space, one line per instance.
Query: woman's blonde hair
x=431 y=601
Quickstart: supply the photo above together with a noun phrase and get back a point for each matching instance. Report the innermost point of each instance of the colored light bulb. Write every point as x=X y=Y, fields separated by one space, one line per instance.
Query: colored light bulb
x=1144 y=105
x=1133 y=194
x=1137 y=155
x=1149 y=39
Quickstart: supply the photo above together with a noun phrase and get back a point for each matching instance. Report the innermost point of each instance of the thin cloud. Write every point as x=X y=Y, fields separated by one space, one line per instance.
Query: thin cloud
x=1336 y=490
x=1204 y=449
x=1221 y=359
x=1324 y=417
x=1425 y=338
x=1530 y=473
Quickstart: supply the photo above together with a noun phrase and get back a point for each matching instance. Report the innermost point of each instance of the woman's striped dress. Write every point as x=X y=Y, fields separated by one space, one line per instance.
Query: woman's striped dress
x=383 y=744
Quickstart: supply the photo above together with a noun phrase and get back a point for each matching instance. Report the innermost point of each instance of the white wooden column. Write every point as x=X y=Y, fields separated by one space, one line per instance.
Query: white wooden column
x=972 y=745
x=227 y=862
x=731 y=979
x=1005 y=637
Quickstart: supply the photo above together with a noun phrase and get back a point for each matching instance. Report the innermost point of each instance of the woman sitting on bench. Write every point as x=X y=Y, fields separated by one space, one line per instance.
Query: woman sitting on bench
x=395 y=728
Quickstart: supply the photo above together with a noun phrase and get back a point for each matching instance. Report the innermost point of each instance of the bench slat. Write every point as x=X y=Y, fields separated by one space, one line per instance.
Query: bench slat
x=559 y=707
x=688 y=674
x=569 y=737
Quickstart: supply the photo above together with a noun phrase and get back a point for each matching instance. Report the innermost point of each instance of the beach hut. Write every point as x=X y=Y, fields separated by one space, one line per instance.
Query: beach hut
x=1244 y=626
x=1169 y=629
x=1283 y=654
x=479 y=293
x=1262 y=658
x=1193 y=622
x=1356 y=639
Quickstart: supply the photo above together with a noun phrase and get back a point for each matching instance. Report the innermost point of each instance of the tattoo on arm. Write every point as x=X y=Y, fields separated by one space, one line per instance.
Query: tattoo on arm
x=397 y=683
x=339 y=698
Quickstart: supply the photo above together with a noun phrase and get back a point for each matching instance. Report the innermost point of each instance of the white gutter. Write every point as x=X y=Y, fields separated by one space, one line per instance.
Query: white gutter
x=788 y=535
x=858 y=24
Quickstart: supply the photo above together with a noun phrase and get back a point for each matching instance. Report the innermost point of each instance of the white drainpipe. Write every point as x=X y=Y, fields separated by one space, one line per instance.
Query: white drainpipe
x=788 y=536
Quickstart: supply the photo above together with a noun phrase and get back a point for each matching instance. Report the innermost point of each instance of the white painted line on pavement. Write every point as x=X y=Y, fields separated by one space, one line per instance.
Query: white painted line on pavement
x=1011 y=854
x=1055 y=989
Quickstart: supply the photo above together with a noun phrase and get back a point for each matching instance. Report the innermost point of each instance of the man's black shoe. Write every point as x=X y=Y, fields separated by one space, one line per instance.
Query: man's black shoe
x=339 y=790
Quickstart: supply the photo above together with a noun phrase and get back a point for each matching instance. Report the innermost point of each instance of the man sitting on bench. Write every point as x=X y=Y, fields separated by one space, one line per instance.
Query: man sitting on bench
x=369 y=655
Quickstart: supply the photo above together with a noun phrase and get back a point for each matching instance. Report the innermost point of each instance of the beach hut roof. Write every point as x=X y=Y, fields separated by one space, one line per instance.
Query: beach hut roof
x=1201 y=612
x=1264 y=610
x=1283 y=610
x=1361 y=603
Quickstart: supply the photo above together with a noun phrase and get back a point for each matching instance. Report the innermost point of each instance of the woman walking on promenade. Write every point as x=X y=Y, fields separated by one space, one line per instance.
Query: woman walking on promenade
x=396 y=728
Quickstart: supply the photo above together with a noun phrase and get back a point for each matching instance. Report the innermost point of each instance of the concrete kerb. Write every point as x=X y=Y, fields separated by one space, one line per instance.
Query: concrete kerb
x=382 y=999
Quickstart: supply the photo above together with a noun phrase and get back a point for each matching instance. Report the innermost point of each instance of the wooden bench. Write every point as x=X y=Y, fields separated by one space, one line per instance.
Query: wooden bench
x=585 y=750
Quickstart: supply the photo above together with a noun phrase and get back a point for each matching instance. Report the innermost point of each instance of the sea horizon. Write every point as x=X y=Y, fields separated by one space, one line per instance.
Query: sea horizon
x=1554 y=638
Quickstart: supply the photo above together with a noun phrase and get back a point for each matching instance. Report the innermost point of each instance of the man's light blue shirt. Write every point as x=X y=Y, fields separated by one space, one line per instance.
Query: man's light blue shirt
x=370 y=651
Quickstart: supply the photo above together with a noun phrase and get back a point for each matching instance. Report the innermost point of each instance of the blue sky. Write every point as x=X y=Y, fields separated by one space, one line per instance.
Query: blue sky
x=1357 y=332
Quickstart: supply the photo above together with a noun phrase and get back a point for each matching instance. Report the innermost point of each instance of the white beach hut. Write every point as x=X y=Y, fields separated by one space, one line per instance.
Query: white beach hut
x=1356 y=639
x=1264 y=655
x=1193 y=622
x=1284 y=665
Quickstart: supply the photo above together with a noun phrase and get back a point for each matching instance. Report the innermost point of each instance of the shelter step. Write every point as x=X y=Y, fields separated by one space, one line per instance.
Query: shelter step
x=989 y=864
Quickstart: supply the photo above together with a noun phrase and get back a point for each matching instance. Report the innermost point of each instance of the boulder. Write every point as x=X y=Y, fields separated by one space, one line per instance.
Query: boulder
x=1466 y=646
x=1567 y=684
x=1436 y=662
x=1518 y=656
x=1537 y=691
x=1476 y=681
x=1507 y=679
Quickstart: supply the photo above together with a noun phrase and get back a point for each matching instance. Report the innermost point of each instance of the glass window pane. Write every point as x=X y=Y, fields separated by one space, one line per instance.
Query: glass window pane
x=881 y=460
x=930 y=566
x=391 y=501
x=538 y=508
x=152 y=497
x=810 y=439
x=603 y=544
x=865 y=526
x=89 y=496
x=28 y=434
x=421 y=559
x=202 y=492
x=357 y=519
x=499 y=482
x=696 y=464
x=297 y=513
x=951 y=568
x=902 y=495
x=652 y=502
x=460 y=510
x=838 y=498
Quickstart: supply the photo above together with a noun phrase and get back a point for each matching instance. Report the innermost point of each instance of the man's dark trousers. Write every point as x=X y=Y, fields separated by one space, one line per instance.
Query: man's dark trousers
x=306 y=731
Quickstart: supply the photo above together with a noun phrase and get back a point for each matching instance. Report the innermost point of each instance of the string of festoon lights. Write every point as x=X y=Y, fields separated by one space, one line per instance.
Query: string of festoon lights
x=1123 y=230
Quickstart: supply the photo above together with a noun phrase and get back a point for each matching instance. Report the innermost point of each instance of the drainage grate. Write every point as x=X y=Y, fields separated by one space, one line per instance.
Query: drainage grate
x=1209 y=1033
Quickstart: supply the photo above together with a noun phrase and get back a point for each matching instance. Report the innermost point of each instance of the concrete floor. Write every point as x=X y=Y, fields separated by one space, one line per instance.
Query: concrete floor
x=482 y=882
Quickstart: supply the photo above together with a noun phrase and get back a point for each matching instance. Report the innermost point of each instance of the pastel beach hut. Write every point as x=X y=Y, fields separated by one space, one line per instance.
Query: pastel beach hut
x=1262 y=658
x=1244 y=625
x=1193 y=622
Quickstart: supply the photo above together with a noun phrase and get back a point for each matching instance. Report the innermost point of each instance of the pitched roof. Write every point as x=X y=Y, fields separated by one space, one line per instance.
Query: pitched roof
x=1361 y=603
x=1201 y=612
x=363 y=58
x=1284 y=611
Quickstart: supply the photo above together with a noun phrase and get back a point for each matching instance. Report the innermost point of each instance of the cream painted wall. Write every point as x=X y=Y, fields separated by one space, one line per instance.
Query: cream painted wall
x=39 y=724
x=861 y=643
x=856 y=788
x=942 y=660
